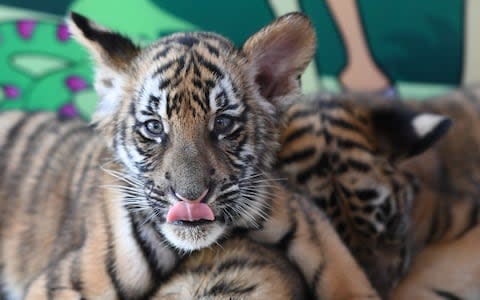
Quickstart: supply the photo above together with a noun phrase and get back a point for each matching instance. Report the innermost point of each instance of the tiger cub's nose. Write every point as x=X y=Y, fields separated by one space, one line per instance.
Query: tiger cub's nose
x=191 y=197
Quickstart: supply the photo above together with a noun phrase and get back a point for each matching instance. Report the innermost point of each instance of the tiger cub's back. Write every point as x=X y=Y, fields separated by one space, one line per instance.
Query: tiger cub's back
x=46 y=166
x=236 y=269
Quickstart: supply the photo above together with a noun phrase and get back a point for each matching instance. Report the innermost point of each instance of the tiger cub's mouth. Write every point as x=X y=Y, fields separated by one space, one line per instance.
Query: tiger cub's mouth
x=190 y=213
x=192 y=223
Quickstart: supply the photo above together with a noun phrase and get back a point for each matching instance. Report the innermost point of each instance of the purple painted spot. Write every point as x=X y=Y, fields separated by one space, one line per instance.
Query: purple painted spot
x=62 y=32
x=68 y=111
x=76 y=83
x=25 y=28
x=11 y=91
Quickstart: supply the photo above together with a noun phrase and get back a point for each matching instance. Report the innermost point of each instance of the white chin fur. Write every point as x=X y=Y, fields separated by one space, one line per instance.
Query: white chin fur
x=192 y=238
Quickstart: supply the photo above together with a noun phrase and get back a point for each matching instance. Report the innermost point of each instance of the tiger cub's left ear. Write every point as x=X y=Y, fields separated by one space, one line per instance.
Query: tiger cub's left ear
x=107 y=47
x=113 y=54
x=402 y=132
x=279 y=53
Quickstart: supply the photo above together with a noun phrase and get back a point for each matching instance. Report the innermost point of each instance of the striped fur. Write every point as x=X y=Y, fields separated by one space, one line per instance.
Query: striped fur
x=189 y=118
x=360 y=160
x=239 y=269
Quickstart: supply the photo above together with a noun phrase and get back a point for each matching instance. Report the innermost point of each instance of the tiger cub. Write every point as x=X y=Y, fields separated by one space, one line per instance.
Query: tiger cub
x=361 y=161
x=180 y=158
x=238 y=269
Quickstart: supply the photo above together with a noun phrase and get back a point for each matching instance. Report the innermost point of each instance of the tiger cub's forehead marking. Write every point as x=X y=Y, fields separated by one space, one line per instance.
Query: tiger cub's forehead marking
x=223 y=98
x=152 y=103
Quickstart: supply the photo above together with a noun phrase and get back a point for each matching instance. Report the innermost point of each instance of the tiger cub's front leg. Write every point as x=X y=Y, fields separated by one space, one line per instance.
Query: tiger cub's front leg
x=310 y=241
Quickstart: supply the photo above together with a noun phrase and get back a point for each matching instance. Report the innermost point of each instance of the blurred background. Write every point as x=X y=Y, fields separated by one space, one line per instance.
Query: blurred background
x=410 y=48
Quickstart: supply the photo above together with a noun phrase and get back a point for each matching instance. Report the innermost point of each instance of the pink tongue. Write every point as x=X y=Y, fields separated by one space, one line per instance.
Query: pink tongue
x=189 y=211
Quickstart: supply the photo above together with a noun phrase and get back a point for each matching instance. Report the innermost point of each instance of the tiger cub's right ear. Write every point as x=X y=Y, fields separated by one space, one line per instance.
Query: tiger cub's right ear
x=107 y=47
x=113 y=54
x=278 y=55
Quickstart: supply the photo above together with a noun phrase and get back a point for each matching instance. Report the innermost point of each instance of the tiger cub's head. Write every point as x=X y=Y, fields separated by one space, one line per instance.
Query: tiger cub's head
x=345 y=152
x=192 y=119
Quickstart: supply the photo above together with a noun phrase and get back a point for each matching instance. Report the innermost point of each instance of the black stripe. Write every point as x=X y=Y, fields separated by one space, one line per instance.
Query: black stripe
x=300 y=115
x=75 y=273
x=226 y=288
x=180 y=65
x=238 y=263
x=227 y=195
x=446 y=218
x=317 y=277
x=301 y=155
x=298 y=133
x=14 y=134
x=51 y=284
x=186 y=39
x=284 y=243
x=162 y=53
x=146 y=113
x=366 y=195
x=200 y=102
x=28 y=152
x=349 y=144
x=212 y=68
x=213 y=50
x=320 y=169
x=110 y=256
x=235 y=134
x=433 y=225
x=358 y=165
x=164 y=67
x=122 y=138
x=446 y=295
x=472 y=220
x=211 y=36
x=137 y=146
x=343 y=124
x=226 y=186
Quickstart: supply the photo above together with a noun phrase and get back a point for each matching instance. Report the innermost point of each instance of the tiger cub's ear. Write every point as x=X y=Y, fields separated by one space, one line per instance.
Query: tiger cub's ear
x=402 y=132
x=107 y=47
x=113 y=54
x=279 y=53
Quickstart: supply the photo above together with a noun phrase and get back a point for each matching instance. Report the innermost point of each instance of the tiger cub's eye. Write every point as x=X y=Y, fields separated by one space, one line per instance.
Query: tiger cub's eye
x=222 y=124
x=154 y=128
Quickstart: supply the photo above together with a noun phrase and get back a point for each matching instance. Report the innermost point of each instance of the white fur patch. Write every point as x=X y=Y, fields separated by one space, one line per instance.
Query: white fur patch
x=123 y=156
x=130 y=262
x=425 y=123
x=109 y=86
x=194 y=239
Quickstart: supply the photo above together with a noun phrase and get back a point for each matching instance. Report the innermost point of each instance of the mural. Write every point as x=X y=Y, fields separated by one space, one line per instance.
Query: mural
x=408 y=48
